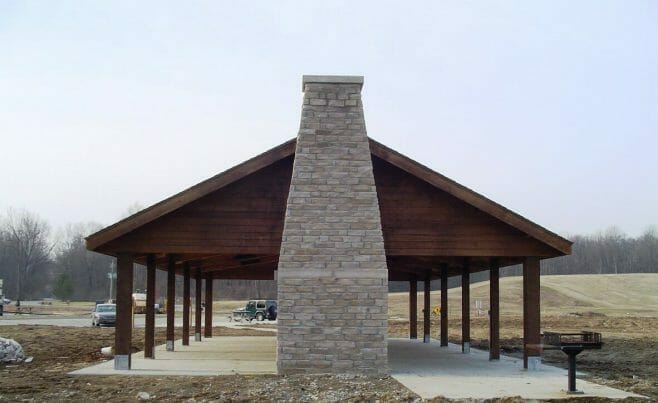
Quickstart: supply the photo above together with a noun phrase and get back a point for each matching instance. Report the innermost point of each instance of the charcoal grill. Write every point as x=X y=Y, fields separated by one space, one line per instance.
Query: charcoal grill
x=572 y=344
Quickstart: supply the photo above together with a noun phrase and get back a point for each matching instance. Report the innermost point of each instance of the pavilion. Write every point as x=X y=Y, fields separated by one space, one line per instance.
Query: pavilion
x=333 y=216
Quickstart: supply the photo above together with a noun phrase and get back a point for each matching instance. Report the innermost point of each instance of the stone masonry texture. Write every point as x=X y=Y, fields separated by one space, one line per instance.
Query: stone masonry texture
x=332 y=275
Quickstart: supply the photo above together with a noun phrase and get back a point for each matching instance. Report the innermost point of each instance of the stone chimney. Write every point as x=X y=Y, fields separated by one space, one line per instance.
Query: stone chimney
x=332 y=275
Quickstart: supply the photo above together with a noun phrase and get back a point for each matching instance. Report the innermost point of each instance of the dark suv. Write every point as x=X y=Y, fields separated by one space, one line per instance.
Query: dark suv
x=259 y=309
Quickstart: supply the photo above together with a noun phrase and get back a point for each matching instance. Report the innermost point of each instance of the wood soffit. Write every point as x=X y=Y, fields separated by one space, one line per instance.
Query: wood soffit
x=114 y=231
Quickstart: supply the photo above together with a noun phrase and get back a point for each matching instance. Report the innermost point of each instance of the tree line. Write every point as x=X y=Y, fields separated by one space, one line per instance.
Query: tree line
x=37 y=262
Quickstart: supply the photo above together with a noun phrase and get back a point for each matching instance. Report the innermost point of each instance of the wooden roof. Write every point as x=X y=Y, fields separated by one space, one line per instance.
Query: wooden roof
x=96 y=241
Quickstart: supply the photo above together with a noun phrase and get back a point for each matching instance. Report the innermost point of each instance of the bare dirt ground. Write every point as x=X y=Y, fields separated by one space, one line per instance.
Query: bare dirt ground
x=59 y=350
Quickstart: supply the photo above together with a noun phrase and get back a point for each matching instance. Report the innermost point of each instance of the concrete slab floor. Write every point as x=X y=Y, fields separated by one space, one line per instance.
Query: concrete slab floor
x=427 y=369
x=226 y=355
x=431 y=370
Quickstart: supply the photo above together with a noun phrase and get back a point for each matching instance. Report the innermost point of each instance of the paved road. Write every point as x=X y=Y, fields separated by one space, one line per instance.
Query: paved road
x=85 y=321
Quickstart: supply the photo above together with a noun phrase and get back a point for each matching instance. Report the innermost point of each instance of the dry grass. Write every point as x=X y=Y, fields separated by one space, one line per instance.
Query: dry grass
x=610 y=295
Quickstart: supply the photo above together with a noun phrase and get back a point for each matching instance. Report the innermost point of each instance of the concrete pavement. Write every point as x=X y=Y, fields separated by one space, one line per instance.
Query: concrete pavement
x=220 y=319
x=226 y=355
x=427 y=369
x=430 y=371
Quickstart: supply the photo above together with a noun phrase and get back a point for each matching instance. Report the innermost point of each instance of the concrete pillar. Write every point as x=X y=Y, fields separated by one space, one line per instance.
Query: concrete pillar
x=466 y=308
x=186 y=304
x=207 y=331
x=333 y=247
x=494 y=311
x=149 y=325
x=413 y=308
x=531 y=314
x=426 y=308
x=171 y=301
x=197 y=304
x=444 y=305
x=124 y=307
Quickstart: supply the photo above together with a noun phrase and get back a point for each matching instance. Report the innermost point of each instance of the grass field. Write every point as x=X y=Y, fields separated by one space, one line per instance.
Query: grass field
x=606 y=294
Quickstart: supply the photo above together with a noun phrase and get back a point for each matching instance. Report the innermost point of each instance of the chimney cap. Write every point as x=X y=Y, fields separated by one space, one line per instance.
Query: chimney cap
x=306 y=79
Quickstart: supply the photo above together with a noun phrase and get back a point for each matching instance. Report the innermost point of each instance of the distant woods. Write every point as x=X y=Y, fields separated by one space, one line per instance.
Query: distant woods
x=37 y=262
x=609 y=252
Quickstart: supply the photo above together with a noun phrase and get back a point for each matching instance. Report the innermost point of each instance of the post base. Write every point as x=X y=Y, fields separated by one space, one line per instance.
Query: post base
x=122 y=362
x=426 y=338
x=170 y=345
x=466 y=347
x=534 y=363
x=197 y=336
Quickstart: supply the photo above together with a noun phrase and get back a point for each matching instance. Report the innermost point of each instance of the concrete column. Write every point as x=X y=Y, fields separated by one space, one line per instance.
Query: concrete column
x=413 y=308
x=494 y=311
x=531 y=314
x=444 y=305
x=149 y=326
x=208 y=328
x=427 y=309
x=171 y=301
x=186 y=304
x=466 y=308
x=197 y=304
x=123 y=325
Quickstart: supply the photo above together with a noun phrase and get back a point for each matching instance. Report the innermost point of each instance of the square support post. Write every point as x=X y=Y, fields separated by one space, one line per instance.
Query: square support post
x=426 y=308
x=413 y=308
x=197 y=305
x=531 y=314
x=444 y=305
x=466 y=307
x=149 y=326
x=207 y=331
x=494 y=310
x=124 y=305
x=171 y=301
x=186 y=304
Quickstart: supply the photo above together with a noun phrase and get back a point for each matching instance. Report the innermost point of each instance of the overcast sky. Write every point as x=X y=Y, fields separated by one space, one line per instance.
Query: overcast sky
x=547 y=107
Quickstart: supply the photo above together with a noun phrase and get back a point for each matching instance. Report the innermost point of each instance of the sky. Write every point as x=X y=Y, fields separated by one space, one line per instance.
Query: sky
x=547 y=107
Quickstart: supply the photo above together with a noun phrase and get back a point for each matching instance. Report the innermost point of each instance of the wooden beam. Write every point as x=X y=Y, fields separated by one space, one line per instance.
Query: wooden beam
x=531 y=313
x=466 y=308
x=149 y=326
x=208 y=328
x=123 y=325
x=186 y=304
x=413 y=308
x=494 y=311
x=426 y=309
x=171 y=301
x=444 y=305
x=197 y=305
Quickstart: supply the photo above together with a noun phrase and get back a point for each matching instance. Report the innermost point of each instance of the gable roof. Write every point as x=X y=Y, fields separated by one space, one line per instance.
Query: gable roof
x=191 y=194
x=471 y=197
x=287 y=149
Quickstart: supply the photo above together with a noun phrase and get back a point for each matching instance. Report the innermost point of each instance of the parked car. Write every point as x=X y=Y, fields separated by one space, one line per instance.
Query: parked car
x=104 y=314
x=259 y=309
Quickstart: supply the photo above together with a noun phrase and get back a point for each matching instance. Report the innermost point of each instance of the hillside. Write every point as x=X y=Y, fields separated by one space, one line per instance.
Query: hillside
x=609 y=294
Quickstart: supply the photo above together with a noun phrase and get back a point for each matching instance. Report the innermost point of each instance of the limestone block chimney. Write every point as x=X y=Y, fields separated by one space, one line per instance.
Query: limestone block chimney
x=332 y=275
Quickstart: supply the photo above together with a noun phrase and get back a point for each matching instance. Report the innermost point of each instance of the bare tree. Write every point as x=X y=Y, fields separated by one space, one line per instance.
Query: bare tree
x=88 y=270
x=27 y=249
